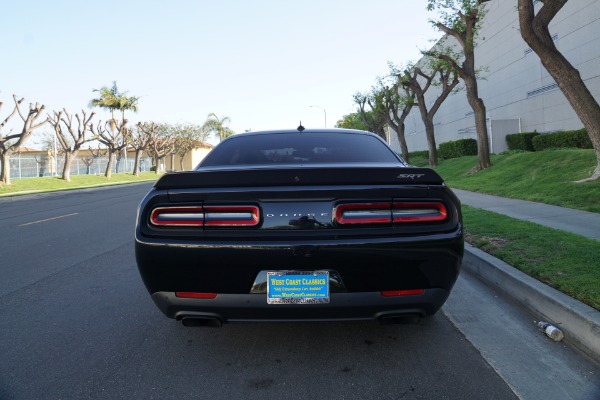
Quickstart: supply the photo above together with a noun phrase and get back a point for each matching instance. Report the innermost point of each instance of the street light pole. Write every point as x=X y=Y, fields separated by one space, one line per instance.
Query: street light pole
x=324 y=113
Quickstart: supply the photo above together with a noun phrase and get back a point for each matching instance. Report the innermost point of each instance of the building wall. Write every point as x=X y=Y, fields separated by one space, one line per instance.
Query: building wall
x=190 y=160
x=515 y=86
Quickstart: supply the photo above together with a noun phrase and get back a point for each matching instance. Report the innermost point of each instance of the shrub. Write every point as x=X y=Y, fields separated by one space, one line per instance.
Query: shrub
x=566 y=139
x=521 y=141
x=419 y=154
x=458 y=148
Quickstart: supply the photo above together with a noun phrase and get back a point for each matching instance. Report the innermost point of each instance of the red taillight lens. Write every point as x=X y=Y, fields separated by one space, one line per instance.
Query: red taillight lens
x=196 y=295
x=209 y=216
x=406 y=292
x=418 y=212
x=363 y=213
x=385 y=213
x=177 y=216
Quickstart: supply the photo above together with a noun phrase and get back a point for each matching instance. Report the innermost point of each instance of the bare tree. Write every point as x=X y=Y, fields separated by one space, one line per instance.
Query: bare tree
x=96 y=154
x=187 y=138
x=99 y=152
x=447 y=80
x=70 y=137
x=396 y=102
x=88 y=161
x=161 y=145
x=141 y=139
x=11 y=142
x=461 y=20
x=115 y=136
x=534 y=30
x=41 y=163
x=399 y=100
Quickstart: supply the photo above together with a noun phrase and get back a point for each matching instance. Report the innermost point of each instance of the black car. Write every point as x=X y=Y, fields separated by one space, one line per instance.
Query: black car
x=304 y=225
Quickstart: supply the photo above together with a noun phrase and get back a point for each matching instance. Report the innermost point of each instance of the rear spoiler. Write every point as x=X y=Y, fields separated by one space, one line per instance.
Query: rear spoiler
x=299 y=176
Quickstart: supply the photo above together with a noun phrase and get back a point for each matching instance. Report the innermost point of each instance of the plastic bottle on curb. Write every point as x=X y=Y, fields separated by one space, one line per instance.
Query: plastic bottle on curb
x=551 y=331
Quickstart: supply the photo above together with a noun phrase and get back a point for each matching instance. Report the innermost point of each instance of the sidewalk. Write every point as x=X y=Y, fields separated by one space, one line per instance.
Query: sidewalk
x=579 y=322
x=583 y=223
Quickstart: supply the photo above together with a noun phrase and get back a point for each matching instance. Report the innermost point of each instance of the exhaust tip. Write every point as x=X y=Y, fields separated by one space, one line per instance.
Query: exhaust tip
x=404 y=319
x=195 y=322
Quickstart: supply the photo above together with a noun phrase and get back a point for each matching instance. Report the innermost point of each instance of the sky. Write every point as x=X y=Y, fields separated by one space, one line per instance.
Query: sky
x=262 y=63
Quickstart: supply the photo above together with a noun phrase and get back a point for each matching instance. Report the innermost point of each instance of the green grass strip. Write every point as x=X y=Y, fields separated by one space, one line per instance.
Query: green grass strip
x=568 y=262
x=547 y=177
x=51 y=184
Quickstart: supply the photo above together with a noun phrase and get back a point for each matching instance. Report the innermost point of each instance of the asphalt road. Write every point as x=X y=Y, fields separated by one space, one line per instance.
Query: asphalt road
x=77 y=323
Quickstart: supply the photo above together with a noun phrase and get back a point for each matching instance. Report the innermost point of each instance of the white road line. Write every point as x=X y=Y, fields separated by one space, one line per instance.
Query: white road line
x=48 y=219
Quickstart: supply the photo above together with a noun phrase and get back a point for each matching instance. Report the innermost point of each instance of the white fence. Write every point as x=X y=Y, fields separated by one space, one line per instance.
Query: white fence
x=32 y=167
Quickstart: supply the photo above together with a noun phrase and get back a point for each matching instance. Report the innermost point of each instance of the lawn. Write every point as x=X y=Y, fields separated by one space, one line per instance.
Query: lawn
x=50 y=184
x=565 y=261
x=546 y=177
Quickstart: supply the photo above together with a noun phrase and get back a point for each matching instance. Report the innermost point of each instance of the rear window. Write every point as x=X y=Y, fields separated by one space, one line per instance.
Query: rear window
x=300 y=148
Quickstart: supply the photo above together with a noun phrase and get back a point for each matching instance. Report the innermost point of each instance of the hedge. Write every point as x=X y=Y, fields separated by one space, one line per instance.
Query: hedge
x=573 y=139
x=458 y=148
x=521 y=141
x=419 y=154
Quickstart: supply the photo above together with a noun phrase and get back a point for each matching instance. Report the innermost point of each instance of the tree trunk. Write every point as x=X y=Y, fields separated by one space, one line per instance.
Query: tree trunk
x=136 y=166
x=111 y=160
x=5 y=174
x=66 y=172
x=399 y=129
x=534 y=30
x=478 y=107
x=156 y=161
x=430 y=134
x=402 y=140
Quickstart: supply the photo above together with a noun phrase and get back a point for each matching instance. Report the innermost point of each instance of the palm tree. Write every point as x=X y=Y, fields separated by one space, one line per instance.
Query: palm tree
x=117 y=141
x=127 y=103
x=217 y=126
x=108 y=100
x=111 y=99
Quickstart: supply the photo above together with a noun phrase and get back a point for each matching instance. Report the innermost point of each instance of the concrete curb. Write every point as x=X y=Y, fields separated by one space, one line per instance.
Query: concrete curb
x=579 y=322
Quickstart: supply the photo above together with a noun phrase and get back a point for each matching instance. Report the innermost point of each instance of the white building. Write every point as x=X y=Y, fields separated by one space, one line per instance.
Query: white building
x=518 y=92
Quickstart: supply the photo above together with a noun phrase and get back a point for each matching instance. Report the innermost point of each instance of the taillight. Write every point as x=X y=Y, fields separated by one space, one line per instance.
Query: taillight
x=363 y=213
x=387 y=213
x=231 y=215
x=177 y=216
x=418 y=212
x=209 y=216
x=405 y=292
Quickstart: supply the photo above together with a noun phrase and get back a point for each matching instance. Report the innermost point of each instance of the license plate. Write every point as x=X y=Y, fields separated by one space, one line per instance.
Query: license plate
x=297 y=287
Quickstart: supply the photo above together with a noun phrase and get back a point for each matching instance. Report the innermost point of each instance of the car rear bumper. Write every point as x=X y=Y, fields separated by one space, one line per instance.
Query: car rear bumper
x=342 y=307
x=368 y=265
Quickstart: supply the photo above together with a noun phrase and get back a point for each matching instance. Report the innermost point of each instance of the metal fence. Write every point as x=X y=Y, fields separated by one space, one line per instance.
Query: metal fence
x=33 y=167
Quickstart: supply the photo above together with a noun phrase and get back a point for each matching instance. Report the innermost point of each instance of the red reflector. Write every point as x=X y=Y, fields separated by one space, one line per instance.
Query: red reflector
x=196 y=295
x=407 y=292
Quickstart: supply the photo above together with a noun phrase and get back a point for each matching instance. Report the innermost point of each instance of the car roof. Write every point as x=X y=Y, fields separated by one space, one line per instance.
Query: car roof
x=304 y=132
